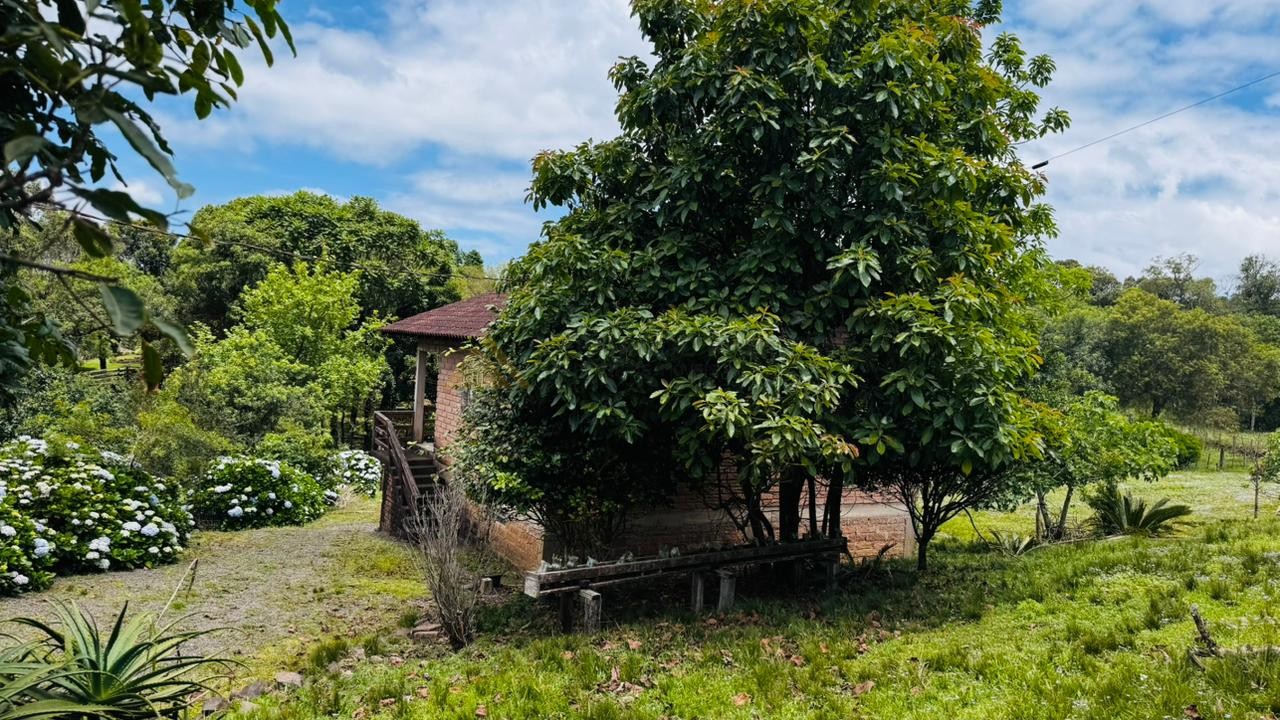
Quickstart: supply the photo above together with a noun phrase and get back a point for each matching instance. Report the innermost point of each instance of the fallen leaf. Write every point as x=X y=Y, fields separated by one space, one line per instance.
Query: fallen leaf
x=741 y=699
x=567 y=655
x=1192 y=712
x=634 y=644
x=482 y=711
x=797 y=660
x=424 y=692
x=863 y=687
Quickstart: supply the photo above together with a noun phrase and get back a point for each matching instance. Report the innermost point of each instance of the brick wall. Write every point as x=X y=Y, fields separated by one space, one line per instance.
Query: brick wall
x=449 y=397
x=869 y=521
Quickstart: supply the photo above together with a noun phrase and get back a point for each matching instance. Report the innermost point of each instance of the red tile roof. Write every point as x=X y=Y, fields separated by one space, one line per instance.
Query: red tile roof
x=461 y=320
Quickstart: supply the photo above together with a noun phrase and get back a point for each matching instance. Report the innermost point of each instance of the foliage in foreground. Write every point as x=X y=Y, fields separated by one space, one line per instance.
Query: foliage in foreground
x=72 y=69
x=137 y=669
x=1089 y=631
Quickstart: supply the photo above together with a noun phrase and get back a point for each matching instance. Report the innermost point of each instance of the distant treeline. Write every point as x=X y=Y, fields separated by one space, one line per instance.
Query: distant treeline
x=1170 y=343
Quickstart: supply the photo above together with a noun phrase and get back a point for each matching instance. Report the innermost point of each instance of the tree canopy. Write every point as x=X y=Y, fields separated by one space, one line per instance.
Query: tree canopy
x=403 y=269
x=812 y=247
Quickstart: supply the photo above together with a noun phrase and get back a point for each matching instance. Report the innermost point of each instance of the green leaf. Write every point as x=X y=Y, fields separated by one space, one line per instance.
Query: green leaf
x=152 y=367
x=176 y=333
x=120 y=206
x=22 y=149
x=146 y=147
x=262 y=41
x=93 y=239
x=233 y=66
x=124 y=307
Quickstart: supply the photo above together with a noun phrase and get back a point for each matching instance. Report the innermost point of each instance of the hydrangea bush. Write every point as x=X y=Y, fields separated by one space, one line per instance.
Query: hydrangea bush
x=359 y=471
x=63 y=508
x=244 y=492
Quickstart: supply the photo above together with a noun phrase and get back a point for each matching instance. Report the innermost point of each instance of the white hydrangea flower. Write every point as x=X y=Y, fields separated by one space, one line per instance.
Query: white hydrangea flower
x=104 y=563
x=150 y=530
x=236 y=511
x=131 y=526
x=8 y=530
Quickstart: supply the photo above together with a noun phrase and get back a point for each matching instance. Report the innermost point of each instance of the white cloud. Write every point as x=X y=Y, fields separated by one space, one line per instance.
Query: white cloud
x=477 y=88
x=1204 y=181
x=504 y=79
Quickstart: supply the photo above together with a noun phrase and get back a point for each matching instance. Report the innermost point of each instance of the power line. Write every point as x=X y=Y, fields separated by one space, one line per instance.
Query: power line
x=1152 y=121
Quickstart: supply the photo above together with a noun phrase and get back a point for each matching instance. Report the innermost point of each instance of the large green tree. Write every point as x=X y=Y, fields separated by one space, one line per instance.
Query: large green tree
x=813 y=235
x=403 y=269
x=68 y=69
x=1162 y=358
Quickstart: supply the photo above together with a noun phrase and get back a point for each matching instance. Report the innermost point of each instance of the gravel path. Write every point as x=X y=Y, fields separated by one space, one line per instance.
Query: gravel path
x=278 y=588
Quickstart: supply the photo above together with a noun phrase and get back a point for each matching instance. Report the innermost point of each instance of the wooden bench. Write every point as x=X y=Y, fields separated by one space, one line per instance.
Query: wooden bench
x=584 y=582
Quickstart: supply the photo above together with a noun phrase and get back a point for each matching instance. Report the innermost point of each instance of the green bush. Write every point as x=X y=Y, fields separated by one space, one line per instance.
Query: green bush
x=308 y=450
x=68 y=509
x=1189 y=447
x=243 y=493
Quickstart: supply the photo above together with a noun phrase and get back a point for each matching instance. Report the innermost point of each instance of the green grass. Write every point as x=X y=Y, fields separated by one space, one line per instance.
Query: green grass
x=1094 y=630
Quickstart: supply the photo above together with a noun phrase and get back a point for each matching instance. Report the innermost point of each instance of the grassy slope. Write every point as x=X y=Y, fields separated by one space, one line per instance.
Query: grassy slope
x=1097 y=630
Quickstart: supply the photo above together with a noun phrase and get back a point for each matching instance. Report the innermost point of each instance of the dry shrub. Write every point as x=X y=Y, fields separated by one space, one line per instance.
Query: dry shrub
x=448 y=532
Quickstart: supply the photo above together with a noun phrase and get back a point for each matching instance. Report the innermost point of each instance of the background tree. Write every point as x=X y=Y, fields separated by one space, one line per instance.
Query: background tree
x=403 y=269
x=1174 y=279
x=1258 y=286
x=804 y=193
x=72 y=67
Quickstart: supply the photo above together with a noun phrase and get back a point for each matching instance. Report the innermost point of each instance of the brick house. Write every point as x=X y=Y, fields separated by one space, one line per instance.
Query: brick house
x=869 y=522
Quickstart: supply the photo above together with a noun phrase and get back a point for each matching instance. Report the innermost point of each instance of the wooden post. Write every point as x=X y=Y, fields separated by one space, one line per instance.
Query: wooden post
x=419 y=394
x=833 y=570
x=727 y=582
x=592 y=608
x=697 y=590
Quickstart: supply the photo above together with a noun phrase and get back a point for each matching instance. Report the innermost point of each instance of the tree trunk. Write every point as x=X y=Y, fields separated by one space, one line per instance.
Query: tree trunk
x=922 y=553
x=790 y=490
x=813 y=508
x=834 y=503
x=1061 y=530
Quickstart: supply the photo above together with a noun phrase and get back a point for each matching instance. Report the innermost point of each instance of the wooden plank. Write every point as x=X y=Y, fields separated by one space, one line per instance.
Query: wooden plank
x=419 y=394
x=549 y=581
x=592 y=609
x=728 y=584
x=697 y=590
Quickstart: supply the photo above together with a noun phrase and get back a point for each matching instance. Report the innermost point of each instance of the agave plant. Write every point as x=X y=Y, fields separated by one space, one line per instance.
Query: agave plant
x=21 y=683
x=135 y=671
x=1123 y=514
x=1011 y=544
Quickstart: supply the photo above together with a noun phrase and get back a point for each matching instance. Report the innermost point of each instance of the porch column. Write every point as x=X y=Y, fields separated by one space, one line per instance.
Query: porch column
x=419 y=392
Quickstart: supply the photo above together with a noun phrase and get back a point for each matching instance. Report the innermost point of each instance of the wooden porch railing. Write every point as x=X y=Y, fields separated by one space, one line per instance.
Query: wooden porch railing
x=400 y=489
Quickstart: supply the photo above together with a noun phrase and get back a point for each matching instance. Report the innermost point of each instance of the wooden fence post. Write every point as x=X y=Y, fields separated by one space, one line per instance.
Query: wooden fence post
x=592 y=608
x=697 y=590
x=727 y=582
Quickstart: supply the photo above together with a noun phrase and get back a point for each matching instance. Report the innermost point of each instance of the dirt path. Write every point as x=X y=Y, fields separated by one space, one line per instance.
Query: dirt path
x=279 y=588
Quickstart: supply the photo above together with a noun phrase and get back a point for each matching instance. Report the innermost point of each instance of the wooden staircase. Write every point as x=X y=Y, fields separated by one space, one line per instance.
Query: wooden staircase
x=426 y=481
x=411 y=475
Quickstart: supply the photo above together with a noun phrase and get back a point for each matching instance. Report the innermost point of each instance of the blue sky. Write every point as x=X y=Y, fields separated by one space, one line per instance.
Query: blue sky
x=434 y=108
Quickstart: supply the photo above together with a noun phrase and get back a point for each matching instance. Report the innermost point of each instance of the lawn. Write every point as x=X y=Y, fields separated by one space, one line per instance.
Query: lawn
x=1093 y=630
